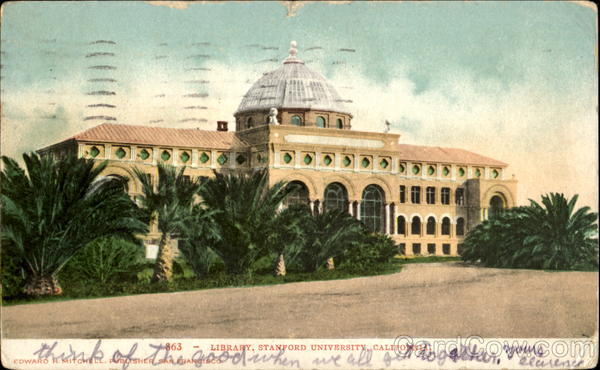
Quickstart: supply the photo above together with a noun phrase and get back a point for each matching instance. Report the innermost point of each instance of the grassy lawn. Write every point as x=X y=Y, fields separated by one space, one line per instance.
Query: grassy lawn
x=184 y=280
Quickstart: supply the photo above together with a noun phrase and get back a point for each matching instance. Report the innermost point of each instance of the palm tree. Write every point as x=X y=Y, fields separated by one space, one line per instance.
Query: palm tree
x=53 y=208
x=561 y=236
x=245 y=212
x=328 y=234
x=290 y=238
x=551 y=235
x=198 y=239
x=169 y=204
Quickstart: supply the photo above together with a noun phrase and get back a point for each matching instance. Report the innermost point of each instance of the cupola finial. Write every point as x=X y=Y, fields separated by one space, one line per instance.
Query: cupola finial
x=293 y=51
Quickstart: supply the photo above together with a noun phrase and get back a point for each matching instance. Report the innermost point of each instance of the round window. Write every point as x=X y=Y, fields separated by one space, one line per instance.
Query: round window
x=144 y=154
x=94 y=152
x=120 y=153
x=184 y=157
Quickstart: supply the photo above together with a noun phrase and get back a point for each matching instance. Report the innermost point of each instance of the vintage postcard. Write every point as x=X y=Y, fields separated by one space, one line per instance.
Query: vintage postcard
x=299 y=184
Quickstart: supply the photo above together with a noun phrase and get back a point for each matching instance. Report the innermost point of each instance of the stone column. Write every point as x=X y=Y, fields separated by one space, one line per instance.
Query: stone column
x=387 y=218
x=175 y=157
x=320 y=208
x=233 y=160
x=351 y=208
x=108 y=151
x=358 y=210
x=393 y=219
x=213 y=159
x=194 y=158
x=311 y=204
x=154 y=155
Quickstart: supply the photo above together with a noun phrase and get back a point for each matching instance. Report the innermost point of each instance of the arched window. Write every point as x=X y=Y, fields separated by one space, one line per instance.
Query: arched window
x=431 y=226
x=299 y=193
x=340 y=123
x=249 y=122
x=320 y=121
x=415 y=226
x=336 y=197
x=496 y=205
x=460 y=226
x=401 y=225
x=445 y=226
x=372 y=208
x=296 y=121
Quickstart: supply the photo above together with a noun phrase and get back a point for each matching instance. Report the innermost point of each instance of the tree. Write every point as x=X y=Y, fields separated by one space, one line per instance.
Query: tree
x=245 y=211
x=289 y=239
x=198 y=239
x=307 y=240
x=551 y=235
x=561 y=236
x=328 y=234
x=170 y=205
x=54 y=207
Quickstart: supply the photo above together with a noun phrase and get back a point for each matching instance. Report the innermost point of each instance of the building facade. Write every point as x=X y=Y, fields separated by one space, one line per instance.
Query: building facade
x=293 y=123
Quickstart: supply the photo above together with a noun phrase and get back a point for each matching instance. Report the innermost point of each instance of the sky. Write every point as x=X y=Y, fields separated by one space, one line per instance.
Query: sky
x=516 y=81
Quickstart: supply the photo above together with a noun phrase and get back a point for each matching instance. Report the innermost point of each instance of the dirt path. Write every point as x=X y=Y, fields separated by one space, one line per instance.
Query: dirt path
x=426 y=300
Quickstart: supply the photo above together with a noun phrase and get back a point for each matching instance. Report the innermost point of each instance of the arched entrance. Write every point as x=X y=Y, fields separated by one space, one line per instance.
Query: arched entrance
x=496 y=205
x=336 y=197
x=299 y=194
x=372 y=212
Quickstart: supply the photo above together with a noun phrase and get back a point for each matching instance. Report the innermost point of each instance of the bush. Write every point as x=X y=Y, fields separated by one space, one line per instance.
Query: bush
x=553 y=236
x=13 y=276
x=370 y=250
x=198 y=238
x=106 y=261
x=315 y=237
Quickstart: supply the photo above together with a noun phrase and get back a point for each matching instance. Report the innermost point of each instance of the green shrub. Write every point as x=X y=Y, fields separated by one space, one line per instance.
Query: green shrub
x=105 y=261
x=13 y=276
x=368 y=251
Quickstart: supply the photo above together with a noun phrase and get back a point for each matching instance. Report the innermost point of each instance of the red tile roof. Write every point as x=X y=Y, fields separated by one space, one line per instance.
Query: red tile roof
x=448 y=155
x=179 y=137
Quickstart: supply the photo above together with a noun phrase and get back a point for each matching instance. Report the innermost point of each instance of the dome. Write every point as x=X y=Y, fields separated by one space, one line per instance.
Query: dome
x=292 y=86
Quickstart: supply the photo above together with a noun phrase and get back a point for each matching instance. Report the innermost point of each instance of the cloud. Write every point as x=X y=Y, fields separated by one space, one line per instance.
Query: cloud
x=550 y=139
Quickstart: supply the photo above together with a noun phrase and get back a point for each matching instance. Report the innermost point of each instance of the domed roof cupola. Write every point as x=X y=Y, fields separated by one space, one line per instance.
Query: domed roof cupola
x=294 y=90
